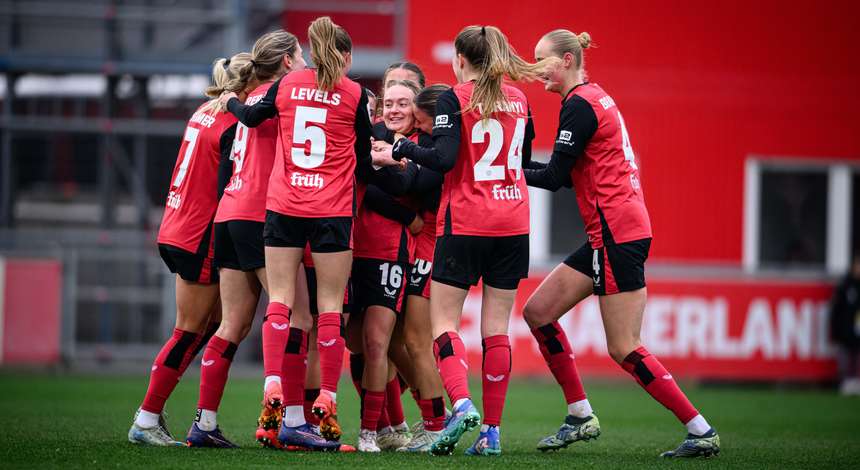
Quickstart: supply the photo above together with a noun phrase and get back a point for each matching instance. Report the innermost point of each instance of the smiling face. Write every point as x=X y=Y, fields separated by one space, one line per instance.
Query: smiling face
x=397 y=109
x=554 y=77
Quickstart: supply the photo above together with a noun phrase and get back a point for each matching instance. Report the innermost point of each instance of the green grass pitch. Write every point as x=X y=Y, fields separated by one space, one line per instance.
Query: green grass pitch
x=74 y=421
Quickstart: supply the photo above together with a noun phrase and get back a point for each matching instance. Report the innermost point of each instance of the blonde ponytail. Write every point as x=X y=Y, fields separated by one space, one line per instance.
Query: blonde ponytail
x=224 y=73
x=488 y=51
x=267 y=58
x=564 y=41
x=329 y=42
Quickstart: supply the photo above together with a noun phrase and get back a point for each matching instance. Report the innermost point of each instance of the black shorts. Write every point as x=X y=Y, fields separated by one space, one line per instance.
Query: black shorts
x=613 y=268
x=378 y=282
x=419 y=278
x=324 y=234
x=311 y=275
x=461 y=260
x=193 y=267
x=239 y=245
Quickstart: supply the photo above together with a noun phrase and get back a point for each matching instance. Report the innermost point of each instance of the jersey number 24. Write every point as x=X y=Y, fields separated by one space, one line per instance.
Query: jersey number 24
x=484 y=169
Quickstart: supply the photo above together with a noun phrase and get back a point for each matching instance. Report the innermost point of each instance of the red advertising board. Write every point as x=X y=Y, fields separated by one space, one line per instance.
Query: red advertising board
x=30 y=311
x=699 y=328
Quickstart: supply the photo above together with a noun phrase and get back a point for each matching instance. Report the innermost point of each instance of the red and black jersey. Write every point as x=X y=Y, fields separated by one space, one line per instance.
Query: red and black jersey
x=193 y=196
x=323 y=136
x=314 y=173
x=484 y=194
x=593 y=147
x=253 y=154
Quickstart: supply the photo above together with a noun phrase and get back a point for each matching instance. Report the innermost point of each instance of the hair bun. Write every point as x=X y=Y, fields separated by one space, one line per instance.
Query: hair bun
x=584 y=40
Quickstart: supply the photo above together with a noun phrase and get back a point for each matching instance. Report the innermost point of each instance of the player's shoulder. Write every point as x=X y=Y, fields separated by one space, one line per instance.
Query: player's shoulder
x=260 y=90
x=513 y=92
x=350 y=87
x=594 y=95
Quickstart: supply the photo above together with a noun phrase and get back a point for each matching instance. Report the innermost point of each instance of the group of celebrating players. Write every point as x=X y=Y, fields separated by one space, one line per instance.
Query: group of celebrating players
x=367 y=219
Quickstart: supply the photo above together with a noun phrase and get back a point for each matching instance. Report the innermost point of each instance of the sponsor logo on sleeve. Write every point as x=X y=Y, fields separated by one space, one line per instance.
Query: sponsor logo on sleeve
x=565 y=137
x=442 y=122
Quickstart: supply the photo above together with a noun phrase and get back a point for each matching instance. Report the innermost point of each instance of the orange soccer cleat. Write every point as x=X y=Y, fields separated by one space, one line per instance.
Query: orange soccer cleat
x=325 y=408
x=269 y=421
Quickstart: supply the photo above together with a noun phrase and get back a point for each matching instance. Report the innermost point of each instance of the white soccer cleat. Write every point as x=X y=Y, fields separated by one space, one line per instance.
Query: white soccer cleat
x=393 y=439
x=421 y=441
x=367 y=441
x=154 y=436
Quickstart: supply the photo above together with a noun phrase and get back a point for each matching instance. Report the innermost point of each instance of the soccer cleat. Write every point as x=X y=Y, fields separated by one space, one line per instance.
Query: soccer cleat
x=154 y=436
x=162 y=421
x=325 y=408
x=421 y=441
x=706 y=445
x=463 y=419
x=303 y=436
x=393 y=439
x=487 y=443
x=269 y=421
x=367 y=441
x=200 y=438
x=573 y=429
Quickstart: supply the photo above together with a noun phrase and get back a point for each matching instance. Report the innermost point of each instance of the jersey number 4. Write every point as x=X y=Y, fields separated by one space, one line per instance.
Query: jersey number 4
x=484 y=169
x=304 y=131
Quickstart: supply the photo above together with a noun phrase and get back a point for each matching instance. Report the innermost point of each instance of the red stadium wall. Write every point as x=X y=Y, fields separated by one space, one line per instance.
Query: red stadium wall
x=30 y=303
x=702 y=85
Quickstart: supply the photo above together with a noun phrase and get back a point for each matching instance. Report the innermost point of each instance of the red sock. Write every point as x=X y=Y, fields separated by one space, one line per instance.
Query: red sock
x=451 y=357
x=654 y=378
x=393 y=404
x=295 y=366
x=311 y=395
x=168 y=367
x=331 y=345
x=214 y=369
x=558 y=355
x=495 y=376
x=371 y=408
x=275 y=330
x=433 y=413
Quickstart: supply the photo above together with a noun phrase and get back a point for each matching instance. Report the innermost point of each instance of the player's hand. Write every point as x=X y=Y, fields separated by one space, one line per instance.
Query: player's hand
x=227 y=96
x=381 y=155
x=417 y=225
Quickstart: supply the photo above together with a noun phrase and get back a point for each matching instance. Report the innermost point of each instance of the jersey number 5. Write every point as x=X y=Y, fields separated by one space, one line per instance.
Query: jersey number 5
x=303 y=132
x=484 y=169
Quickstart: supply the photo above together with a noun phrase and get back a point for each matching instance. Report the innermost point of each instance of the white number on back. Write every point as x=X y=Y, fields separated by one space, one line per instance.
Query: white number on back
x=484 y=169
x=191 y=134
x=625 y=144
x=240 y=145
x=303 y=132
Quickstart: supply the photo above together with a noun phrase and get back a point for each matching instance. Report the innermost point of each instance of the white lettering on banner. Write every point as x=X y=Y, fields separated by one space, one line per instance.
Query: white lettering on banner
x=690 y=327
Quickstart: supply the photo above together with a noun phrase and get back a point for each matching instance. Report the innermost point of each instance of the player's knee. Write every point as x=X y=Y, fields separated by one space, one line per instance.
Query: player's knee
x=532 y=315
x=619 y=350
x=375 y=349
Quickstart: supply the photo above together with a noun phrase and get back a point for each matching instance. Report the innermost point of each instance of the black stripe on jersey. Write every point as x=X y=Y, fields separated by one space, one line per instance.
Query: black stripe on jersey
x=448 y=223
x=605 y=233
x=403 y=249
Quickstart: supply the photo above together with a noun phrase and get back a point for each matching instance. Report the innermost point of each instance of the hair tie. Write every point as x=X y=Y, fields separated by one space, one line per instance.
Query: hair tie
x=253 y=63
x=226 y=64
x=483 y=30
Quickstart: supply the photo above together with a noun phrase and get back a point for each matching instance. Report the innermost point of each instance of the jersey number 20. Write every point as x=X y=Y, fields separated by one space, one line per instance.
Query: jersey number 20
x=484 y=169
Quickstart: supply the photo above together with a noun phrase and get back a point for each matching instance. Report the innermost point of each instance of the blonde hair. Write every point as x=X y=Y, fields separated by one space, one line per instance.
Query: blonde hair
x=224 y=73
x=267 y=57
x=329 y=42
x=487 y=49
x=564 y=41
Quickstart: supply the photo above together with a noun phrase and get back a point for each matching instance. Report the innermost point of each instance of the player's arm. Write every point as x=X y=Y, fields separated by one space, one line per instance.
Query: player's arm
x=446 y=138
x=254 y=115
x=225 y=162
x=577 y=124
x=363 y=133
x=426 y=180
x=385 y=205
x=528 y=138
x=382 y=133
x=394 y=180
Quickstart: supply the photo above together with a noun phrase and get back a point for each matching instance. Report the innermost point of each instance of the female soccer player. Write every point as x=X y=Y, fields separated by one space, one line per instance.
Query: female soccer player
x=185 y=245
x=593 y=152
x=482 y=223
x=383 y=252
x=239 y=236
x=324 y=128
x=398 y=71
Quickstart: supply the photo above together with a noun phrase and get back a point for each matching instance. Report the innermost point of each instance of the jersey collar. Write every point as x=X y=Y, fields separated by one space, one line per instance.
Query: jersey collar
x=567 y=95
